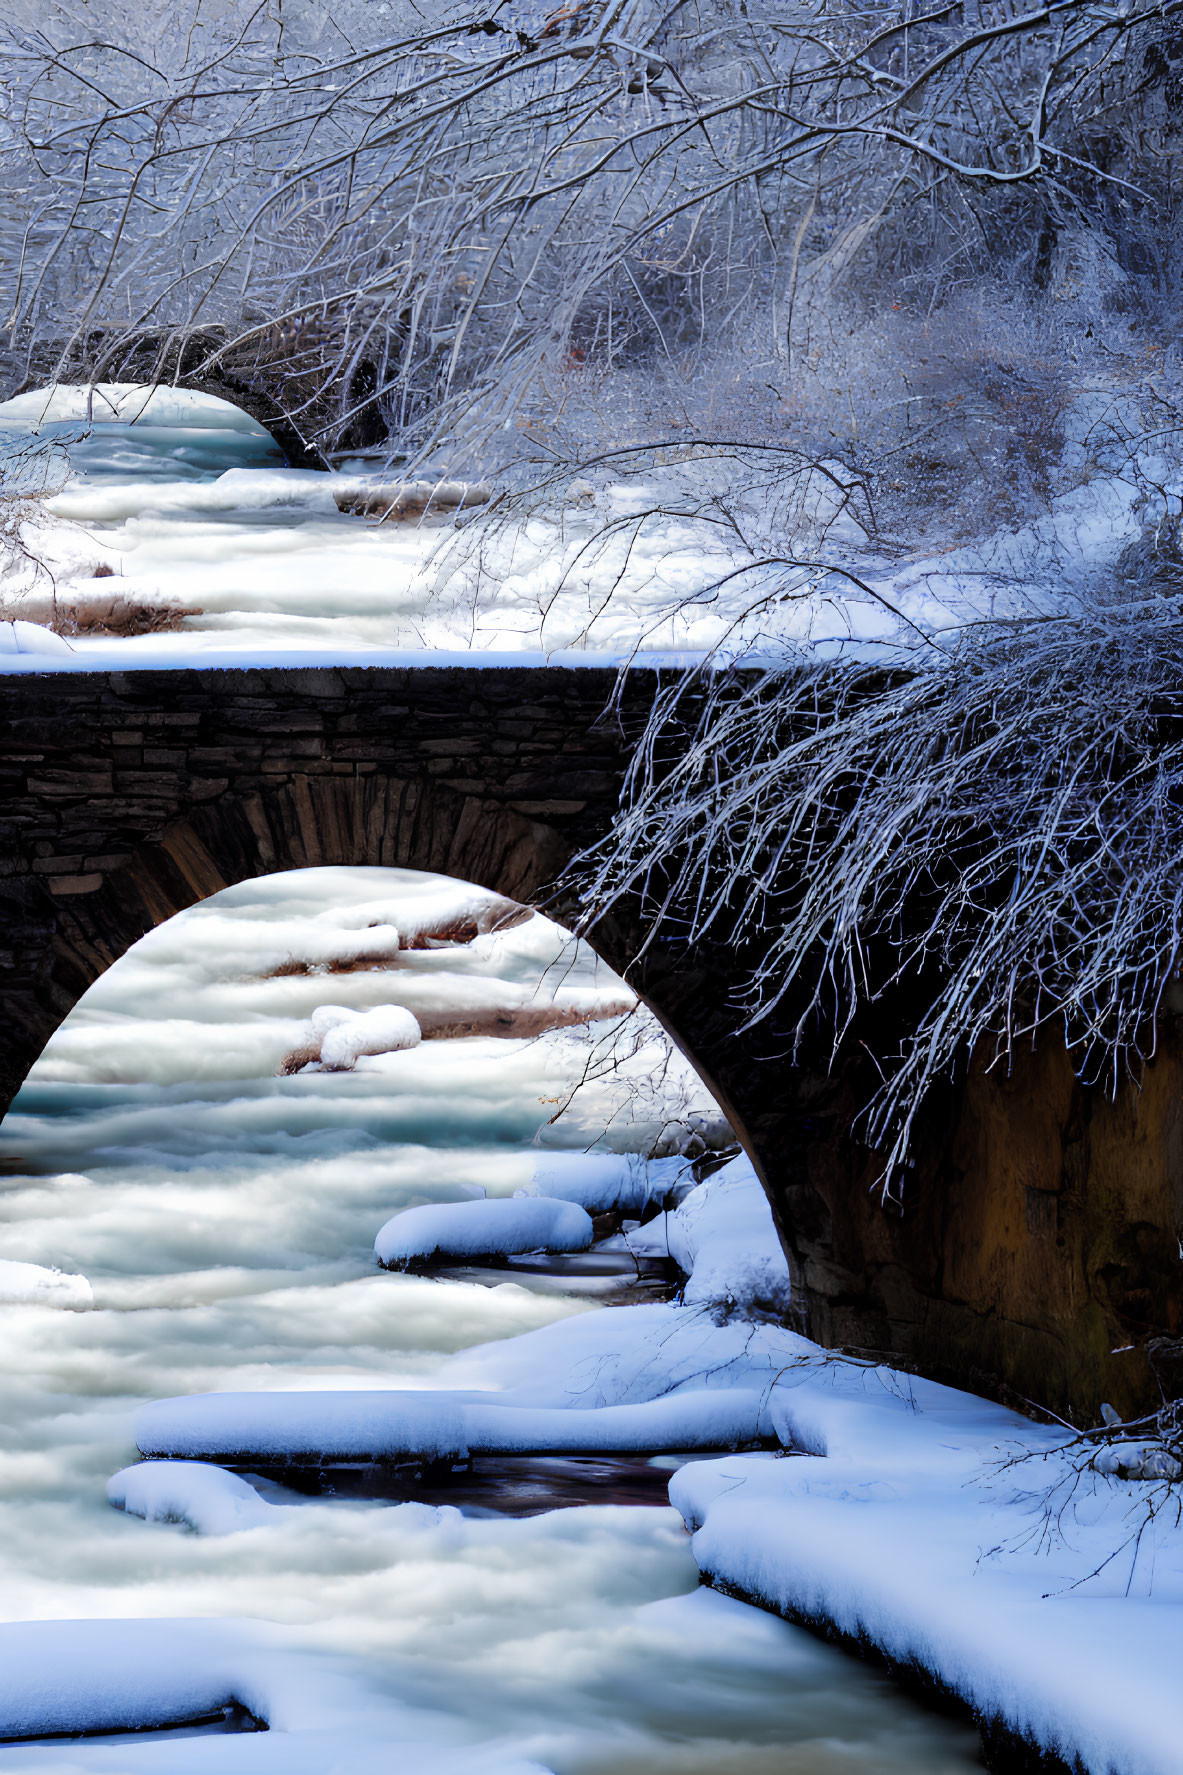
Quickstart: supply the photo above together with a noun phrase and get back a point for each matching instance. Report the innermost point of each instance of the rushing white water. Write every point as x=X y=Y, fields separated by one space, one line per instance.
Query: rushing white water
x=206 y=543
x=225 y=1216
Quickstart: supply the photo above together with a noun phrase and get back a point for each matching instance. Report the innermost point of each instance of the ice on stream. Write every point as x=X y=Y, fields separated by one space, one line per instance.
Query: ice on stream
x=224 y=1218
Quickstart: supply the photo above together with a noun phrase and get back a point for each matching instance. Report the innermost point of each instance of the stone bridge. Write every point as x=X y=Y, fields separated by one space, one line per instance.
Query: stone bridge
x=1036 y=1251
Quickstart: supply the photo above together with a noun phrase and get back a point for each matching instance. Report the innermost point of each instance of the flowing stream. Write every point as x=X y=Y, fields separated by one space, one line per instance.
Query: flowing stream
x=224 y=1214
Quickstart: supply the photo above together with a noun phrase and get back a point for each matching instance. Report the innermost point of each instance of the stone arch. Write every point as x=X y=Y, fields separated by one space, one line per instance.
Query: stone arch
x=138 y=794
x=302 y=822
x=1042 y=1218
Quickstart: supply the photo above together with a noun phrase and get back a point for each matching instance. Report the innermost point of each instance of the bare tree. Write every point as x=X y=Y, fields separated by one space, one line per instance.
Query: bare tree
x=425 y=216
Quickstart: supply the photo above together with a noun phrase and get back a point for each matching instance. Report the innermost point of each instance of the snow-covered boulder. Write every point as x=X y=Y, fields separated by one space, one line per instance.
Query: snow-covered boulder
x=206 y=1499
x=497 y=1228
x=606 y=1182
x=346 y=1035
x=29 y=1284
x=723 y=1239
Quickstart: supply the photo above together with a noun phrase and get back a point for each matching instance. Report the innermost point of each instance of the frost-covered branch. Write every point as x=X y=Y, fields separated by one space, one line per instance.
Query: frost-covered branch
x=407 y=226
x=993 y=830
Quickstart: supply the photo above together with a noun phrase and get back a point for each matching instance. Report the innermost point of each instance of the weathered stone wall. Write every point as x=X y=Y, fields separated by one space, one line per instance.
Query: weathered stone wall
x=1040 y=1228
x=1037 y=1241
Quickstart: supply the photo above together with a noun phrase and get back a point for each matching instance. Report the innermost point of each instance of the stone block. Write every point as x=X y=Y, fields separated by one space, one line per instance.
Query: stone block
x=75 y=884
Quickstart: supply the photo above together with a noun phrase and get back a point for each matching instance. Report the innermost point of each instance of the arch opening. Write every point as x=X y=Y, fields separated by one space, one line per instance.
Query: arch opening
x=209 y=1142
x=323 y=976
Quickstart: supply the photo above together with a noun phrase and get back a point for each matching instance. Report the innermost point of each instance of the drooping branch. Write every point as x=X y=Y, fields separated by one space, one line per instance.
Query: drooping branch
x=997 y=831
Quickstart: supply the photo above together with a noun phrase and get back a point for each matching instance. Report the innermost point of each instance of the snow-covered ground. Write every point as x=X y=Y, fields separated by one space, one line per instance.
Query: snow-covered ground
x=183 y=506
x=223 y=1218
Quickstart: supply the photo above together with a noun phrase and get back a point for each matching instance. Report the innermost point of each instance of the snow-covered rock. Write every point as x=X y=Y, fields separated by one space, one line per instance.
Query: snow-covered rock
x=605 y=1182
x=723 y=1239
x=497 y=1228
x=346 y=1035
x=204 y=1498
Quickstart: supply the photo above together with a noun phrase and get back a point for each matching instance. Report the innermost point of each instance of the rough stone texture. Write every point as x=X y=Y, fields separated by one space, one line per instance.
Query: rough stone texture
x=1037 y=1243
x=1040 y=1230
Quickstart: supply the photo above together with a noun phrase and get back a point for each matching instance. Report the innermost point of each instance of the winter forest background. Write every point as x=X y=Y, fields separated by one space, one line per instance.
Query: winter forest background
x=911 y=240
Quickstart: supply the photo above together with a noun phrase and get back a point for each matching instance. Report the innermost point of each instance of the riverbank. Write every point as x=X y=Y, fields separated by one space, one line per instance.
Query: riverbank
x=988 y=1561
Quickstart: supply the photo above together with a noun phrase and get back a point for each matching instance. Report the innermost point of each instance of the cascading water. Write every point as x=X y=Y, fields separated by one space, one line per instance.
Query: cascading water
x=223 y=1212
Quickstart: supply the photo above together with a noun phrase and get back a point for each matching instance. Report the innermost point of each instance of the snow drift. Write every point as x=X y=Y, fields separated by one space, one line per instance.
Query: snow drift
x=723 y=1239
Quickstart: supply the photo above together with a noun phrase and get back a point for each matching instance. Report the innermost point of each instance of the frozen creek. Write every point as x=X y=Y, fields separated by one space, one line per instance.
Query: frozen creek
x=225 y=1217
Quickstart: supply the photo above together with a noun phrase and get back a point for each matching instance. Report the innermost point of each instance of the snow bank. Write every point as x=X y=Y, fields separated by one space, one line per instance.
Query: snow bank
x=436 y=1426
x=723 y=1240
x=1023 y=1589
x=496 y=1228
x=86 y=1676
x=627 y=1355
x=603 y=1182
x=30 y=637
x=29 y=1284
x=351 y=1426
x=345 y=1034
